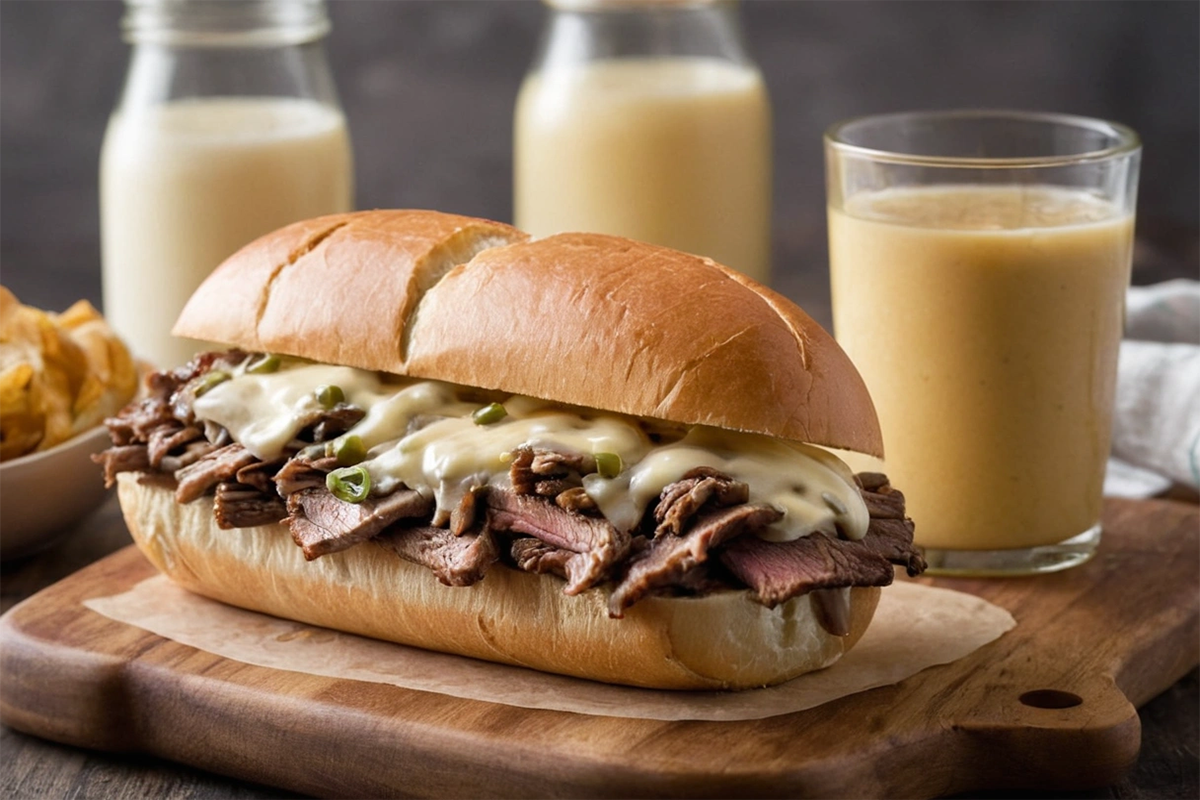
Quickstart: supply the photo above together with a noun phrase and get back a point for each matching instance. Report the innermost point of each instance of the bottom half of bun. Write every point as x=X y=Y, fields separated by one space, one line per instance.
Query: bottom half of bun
x=720 y=641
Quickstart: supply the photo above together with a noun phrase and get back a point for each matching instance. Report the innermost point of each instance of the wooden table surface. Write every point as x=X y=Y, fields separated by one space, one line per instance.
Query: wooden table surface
x=32 y=767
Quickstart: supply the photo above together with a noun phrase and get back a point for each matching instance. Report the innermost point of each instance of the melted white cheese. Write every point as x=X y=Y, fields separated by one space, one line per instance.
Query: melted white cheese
x=446 y=454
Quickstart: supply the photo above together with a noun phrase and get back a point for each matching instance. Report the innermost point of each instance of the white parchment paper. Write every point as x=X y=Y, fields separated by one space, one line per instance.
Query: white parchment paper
x=915 y=627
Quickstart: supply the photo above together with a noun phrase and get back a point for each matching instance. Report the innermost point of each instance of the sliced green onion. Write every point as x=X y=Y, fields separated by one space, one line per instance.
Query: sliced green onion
x=492 y=412
x=264 y=364
x=330 y=395
x=608 y=464
x=211 y=379
x=349 y=450
x=351 y=484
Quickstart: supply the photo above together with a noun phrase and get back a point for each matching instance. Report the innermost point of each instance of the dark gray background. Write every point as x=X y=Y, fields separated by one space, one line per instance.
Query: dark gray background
x=428 y=88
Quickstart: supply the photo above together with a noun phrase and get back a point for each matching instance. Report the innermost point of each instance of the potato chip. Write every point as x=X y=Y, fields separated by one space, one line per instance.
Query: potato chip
x=60 y=374
x=21 y=427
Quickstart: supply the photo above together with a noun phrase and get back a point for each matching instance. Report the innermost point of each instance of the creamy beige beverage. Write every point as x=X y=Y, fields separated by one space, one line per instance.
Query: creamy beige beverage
x=672 y=151
x=185 y=184
x=985 y=321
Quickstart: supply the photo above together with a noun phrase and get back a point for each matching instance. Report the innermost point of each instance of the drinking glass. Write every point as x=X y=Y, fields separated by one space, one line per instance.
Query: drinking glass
x=979 y=261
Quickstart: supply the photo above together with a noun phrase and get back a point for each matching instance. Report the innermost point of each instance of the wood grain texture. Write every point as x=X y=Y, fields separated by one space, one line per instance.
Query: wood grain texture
x=1114 y=632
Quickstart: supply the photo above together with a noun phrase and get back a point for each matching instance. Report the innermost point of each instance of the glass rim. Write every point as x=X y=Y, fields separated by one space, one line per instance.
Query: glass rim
x=1128 y=142
x=221 y=23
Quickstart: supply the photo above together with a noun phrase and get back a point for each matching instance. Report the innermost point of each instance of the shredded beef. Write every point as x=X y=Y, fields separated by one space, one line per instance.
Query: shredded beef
x=680 y=501
x=575 y=500
x=553 y=462
x=553 y=487
x=137 y=421
x=321 y=523
x=221 y=464
x=301 y=473
x=237 y=505
x=168 y=438
x=698 y=525
x=189 y=379
x=192 y=452
x=602 y=545
x=329 y=423
x=669 y=557
x=258 y=475
x=536 y=470
x=123 y=458
x=534 y=555
x=455 y=560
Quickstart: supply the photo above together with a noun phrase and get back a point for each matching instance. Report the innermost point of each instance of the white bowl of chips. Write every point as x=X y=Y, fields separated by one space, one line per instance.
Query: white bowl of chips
x=43 y=494
x=60 y=376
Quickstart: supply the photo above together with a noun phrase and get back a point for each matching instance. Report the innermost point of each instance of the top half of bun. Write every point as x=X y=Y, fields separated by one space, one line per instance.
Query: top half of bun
x=584 y=319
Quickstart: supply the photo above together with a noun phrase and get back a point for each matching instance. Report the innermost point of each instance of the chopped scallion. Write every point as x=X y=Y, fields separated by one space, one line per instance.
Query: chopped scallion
x=492 y=412
x=608 y=464
x=264 y=364
x=329 y=395
x=211 y=379
x=349 y=450
x=351 y=484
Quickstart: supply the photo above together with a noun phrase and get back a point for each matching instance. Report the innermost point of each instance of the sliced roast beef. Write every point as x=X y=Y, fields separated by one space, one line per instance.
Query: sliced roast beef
x=884 y=503
x=680 y=501
x=602 y=544
x=221 y=464
x=670 y=557
x=329 y=423
x=534 y=555
x=321 y=523
x=192 y=380
x=237 y=505
x=167 y=438
x=707 y=578
x=871 y=481
x=301 y=473
x=779 y=571
x=123 y=458
x=455 y=560
x=893 y=539
x=258 y=475
x=462 y=518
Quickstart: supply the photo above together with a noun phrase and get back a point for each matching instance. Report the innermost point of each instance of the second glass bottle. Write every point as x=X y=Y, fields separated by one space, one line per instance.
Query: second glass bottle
x=647 y=120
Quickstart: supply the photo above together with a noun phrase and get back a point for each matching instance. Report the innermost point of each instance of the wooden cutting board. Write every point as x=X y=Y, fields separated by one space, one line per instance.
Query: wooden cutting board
x=1052 y=704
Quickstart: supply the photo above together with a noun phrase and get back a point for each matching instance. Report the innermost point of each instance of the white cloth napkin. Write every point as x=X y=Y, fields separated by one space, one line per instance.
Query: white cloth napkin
x=1156 y=430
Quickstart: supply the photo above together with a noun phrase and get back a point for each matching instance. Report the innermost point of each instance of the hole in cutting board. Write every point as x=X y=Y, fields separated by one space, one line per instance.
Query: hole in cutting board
x=1050 y=698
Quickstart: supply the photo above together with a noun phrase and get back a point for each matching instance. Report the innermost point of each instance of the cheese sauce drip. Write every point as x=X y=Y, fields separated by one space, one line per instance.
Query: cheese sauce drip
x=420 y=434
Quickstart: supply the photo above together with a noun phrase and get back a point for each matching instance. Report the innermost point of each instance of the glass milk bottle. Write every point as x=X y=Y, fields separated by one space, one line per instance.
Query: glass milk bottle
x=648 y=120
x=228 y=127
